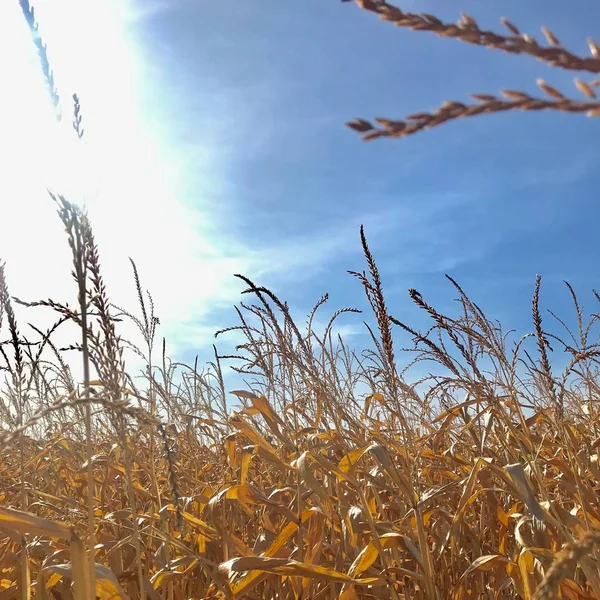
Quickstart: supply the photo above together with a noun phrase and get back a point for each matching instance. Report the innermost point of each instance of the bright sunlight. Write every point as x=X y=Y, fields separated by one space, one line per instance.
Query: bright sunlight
x=120 y=170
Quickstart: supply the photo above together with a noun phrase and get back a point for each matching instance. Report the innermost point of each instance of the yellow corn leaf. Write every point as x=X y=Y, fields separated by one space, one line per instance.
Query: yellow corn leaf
x=247 y=454
x=247 y=496
x=455 y=411
x=368 y=555
x=164 y=577
x=349 y=461
x=260 y=403
x=246 y=583
x=230 y=447
x=526 y=562
x=369 y=399
x=23 y=522
x=204 y=527
x=283 y=566
x=468 y=490
x=521 y=485
x=274 y=421
x=484 y=563
x=307 y=476
x=329 y=467
x=254 y=436
x=107 y=585
x=44 y=452
x=382 y=456
x=314 y=536
x=141 y=489
x=502 y=516
x=266 y=409
x=242 y=493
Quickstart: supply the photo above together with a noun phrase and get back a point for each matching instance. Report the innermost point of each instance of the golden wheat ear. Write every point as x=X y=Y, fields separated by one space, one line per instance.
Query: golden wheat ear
x=467 y=30
x=486 y=104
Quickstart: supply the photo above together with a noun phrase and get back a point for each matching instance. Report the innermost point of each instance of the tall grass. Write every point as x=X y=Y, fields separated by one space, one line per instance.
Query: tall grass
x=478 y=480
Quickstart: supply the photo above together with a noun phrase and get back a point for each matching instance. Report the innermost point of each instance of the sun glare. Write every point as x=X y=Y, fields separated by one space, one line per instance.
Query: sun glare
x=122 y=171
x=91 y=57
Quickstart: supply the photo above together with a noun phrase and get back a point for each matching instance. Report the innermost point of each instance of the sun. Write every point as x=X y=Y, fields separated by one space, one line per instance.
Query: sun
x=89 y=55
x=127 y=170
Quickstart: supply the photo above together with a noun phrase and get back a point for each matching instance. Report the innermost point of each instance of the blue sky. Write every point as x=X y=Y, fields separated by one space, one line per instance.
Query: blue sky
x=215 y=144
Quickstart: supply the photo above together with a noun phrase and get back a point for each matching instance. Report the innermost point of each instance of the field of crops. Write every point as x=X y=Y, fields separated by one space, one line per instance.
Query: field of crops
x=468 y=483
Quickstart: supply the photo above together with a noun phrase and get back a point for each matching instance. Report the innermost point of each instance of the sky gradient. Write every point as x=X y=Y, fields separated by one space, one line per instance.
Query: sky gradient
x=215 y=144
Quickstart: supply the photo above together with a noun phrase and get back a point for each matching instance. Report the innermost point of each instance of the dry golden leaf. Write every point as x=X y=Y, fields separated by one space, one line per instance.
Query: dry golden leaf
x=308 y=478
x=382 y=455
x=331 y=468
x=349 y=461
x=254 y=436
x=204 y=527
x=526 y=562
x=517 y=477
x=248 y=496
x=282 y=566
x=571 y=591
x=368 y=555
x=247 y=454
x=23 y=522
x=10 y=593
x=164 y=576
x=229 y=443
x=468 y=490
x=107 y=585
x=486 y=563
x=246 y=583
x=369 y=399
x=262 y=404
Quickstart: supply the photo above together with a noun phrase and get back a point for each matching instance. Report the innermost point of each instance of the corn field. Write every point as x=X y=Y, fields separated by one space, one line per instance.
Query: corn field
x=479 y=480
